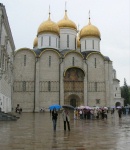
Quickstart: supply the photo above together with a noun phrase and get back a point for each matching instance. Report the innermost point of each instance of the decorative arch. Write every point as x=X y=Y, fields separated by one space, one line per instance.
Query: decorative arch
x=50 y=50
x=25 y=49
x=74 y=100
x=95 y=53
x=71 y=68
x=73 y=51
x=118 y=104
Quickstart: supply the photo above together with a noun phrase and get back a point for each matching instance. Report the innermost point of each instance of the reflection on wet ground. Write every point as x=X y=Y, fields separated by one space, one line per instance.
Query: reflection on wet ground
x=34 y=131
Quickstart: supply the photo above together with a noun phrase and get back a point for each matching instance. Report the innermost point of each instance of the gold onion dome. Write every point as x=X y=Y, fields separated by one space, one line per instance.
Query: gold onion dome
x=35 y=43
x=48 y=26
x=66 y=22
x=90 y=30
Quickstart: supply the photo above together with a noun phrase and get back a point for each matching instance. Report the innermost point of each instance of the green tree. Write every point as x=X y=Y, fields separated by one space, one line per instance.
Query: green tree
x=125 y=93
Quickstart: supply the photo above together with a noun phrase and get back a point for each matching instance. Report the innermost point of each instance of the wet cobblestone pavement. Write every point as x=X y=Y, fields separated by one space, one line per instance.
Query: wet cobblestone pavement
x=34 y=131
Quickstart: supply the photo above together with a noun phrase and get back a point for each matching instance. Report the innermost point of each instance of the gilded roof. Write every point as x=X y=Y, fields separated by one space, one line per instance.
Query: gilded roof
x=90 y=30
x=48 y=26
x=66 y=22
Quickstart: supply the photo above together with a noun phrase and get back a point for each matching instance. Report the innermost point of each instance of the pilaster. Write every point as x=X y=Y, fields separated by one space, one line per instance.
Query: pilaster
x=61 y=83
x=37 y=90
x=85 y=83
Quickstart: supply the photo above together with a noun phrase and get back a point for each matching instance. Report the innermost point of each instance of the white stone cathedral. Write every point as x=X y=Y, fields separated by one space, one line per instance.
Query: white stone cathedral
x=65 y=66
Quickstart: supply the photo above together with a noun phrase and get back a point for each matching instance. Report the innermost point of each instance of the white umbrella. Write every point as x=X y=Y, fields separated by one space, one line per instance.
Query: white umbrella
x=106 y=108
x=87 y=107
x=81 y=107
x=118 y=107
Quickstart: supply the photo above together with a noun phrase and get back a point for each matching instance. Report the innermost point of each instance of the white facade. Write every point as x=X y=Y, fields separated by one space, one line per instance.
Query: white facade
x=45 y=79
x=6 y=62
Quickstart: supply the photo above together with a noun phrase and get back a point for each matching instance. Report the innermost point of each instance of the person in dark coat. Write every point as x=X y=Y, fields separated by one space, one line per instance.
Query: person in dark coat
x=54 y=118
x=120 y=112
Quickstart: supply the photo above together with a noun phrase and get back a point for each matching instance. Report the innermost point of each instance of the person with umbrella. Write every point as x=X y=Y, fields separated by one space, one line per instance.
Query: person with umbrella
x=54 y=118
x=66 y=119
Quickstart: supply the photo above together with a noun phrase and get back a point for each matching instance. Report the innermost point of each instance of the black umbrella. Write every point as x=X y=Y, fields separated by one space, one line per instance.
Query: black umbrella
x=68 y=106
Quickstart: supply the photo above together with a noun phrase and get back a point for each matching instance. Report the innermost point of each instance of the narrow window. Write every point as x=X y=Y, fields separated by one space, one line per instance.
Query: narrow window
x=1 y=60
x=73 y=61
x=49 y=61
x=67 y=40
x=75 y=43
x=24 y=60
x=97 y=101
x=41 y=41
x=115 y=95
x=49 y=41
x=116 y=88
x=56 y=42
x=95 y=62
x=24 y=86
x=49 y=86
x=93 y=44
x=95 y=86
x=85 y=44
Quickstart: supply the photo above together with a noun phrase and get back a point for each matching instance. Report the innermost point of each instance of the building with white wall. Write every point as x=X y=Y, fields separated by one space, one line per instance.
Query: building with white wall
x=7 y=48
x=64 y=67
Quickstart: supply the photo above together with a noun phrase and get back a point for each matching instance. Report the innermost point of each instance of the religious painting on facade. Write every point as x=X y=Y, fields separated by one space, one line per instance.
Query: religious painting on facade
x=73 y=80
x=74 y=74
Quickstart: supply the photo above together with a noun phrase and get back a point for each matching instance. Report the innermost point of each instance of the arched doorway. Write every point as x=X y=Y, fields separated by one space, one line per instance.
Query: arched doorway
x=118 y=104
x=74 y=100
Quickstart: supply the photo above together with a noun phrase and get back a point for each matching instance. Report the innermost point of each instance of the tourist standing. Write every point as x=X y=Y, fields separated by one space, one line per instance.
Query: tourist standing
x=66 y=119
x=54 y=118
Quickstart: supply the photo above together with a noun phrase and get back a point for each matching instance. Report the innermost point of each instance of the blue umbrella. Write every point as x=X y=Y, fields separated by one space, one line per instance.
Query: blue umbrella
x=55 y=106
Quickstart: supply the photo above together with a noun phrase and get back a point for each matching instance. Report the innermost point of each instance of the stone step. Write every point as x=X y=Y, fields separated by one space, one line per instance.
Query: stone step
x=7 y=117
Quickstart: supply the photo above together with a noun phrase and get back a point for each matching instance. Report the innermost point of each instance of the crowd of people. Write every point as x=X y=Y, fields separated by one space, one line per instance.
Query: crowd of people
x=90 y=113
x=95 y=113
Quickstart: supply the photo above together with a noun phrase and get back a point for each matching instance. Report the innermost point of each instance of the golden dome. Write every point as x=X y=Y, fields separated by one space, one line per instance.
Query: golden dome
x=90 y=30
x=35 y=43
x=66 y=22
x=48 y=26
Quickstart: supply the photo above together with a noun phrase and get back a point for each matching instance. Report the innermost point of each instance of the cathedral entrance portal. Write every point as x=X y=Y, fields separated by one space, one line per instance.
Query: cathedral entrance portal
x=74 y=100
x=74 y=86
x=118 y=104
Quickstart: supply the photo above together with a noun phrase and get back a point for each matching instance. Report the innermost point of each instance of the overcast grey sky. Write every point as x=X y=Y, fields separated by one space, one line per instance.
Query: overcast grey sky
x=112 y=17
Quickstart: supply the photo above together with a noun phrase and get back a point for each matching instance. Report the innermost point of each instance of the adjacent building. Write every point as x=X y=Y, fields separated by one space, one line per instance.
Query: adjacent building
x=7 y=48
